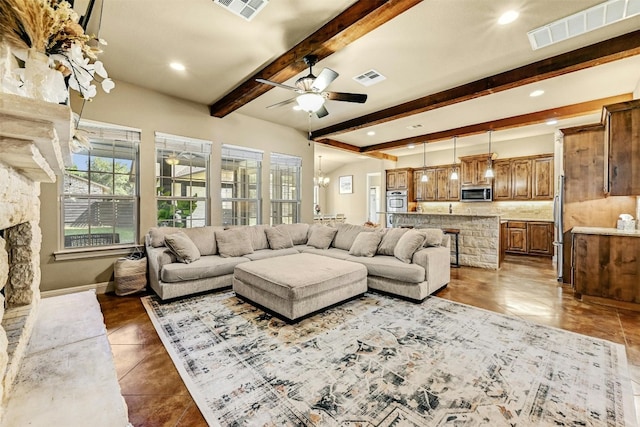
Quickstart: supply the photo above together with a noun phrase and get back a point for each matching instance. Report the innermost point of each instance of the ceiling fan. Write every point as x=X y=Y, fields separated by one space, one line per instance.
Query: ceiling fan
x=311 y=90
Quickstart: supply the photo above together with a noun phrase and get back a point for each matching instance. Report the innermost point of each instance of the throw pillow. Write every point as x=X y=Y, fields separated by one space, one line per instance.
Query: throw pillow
x=433 y=236
x=365 y=244
x=407 y=245
x=233 y=242
x=278 y=238
x=390 y=240
x=321 y=236
x=346 y=235
x=156 y=235
x=181 y=245
x=298 y=232
x=204 y=238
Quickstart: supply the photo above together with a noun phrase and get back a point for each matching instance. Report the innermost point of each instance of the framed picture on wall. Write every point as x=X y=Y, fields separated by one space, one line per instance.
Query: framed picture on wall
x=346 y=184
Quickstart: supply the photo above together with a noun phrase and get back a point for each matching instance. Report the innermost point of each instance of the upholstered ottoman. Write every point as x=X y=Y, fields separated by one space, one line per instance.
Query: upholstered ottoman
x=296 y=285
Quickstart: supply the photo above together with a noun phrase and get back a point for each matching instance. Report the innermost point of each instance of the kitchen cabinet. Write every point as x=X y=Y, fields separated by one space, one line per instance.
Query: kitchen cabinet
x=399 y=179
x=502 y=179
x=521 y=179
x=542 y=181
x=540 y=238
x=425 y=191
x=473 y=169
x=517 y=237
x=529 y=237
x=439 y=186
x=606 y=266
x=622 y=144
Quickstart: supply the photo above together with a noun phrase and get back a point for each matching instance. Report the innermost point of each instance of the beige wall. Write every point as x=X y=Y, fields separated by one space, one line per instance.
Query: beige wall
x=149 y=111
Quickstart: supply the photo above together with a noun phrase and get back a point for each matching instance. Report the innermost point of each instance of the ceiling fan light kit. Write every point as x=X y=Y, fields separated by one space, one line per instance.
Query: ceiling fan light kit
x=311 y=90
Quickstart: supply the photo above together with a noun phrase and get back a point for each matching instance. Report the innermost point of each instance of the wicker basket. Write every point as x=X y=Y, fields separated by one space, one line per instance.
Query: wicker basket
x=130 y=275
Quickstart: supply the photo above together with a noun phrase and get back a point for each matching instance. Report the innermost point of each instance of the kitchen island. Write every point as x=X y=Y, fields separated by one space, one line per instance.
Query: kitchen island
x=479 y=237
x=606 y=266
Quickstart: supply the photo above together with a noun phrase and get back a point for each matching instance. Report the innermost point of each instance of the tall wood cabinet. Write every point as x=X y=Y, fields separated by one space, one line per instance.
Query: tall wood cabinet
x=622 y=144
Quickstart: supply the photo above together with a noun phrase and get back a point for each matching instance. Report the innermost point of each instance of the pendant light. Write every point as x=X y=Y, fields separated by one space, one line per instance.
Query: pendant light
x=454 y=172
x=489 y=172
x=424 y=177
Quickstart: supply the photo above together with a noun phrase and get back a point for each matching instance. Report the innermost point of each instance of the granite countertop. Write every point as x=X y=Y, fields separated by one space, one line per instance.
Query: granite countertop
x=605 y=231
x=444 y=214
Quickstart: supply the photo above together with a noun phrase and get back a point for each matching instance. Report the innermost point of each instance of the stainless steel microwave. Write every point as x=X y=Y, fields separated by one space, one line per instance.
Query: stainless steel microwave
x=476 y=194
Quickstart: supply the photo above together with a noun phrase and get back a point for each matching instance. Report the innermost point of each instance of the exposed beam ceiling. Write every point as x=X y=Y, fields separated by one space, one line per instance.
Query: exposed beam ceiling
x=356 y=21
x=589 y=56
x=565 y=112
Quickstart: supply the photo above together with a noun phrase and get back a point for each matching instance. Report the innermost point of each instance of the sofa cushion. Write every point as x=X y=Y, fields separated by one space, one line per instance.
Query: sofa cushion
x=331 y=252
x=182 y=246
x=320 y=236
x=392 y=268
x=346 y=235
x=433 y=236
x=204 y=268
x=365 y=244
x=390 y=240
x=298 y=232
x=270 y=253
x=234 y=242
x=278 y=238
x=202 y=237
x=407 y=245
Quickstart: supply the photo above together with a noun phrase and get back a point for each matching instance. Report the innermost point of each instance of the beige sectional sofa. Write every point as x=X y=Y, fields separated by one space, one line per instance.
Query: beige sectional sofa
x=409 y=263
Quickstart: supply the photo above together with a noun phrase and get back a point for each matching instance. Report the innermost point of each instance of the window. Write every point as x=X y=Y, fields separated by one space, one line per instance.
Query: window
x=100 y=191
x=182 y=175
x=240 y=186
x=285 y=189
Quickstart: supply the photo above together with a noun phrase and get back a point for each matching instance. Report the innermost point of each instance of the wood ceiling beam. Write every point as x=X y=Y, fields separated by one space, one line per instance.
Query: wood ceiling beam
x=537 y=117
x=359 y=19
x=357 y=150
x=600 y=53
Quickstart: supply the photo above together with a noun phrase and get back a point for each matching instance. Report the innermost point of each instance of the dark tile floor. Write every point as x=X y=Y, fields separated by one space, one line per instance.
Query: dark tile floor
x=524 y=287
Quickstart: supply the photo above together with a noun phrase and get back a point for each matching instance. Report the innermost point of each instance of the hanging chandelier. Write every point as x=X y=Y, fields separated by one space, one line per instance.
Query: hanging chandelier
x=320 y=179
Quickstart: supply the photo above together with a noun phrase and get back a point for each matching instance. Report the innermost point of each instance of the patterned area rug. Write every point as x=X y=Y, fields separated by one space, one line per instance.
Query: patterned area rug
x=381 y=361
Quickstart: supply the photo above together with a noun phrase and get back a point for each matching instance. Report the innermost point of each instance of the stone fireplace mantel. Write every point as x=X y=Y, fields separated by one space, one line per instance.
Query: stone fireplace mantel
x=34 y=136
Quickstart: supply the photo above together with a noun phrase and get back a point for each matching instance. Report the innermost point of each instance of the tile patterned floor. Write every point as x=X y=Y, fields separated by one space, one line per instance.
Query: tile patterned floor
x=524 y=287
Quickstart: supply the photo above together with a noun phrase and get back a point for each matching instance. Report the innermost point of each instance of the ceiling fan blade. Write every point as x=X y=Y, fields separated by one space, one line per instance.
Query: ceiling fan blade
x=322 y=112
x=348 y=97
x=324 y=79
x=280 y=104
x=269 y=82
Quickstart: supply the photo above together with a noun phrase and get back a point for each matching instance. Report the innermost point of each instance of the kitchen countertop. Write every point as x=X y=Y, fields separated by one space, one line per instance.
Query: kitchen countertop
x=605 y=231
x=490 y=215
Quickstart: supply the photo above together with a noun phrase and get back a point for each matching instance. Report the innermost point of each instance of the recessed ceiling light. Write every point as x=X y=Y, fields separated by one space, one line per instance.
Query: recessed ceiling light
x=411 y=146
x=535 y=93
x=177 y=66
x=371 y=133
x=551 y=122
x=508 y=17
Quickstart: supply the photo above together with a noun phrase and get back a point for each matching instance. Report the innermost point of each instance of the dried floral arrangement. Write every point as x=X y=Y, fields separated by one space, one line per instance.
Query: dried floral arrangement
x=51 y=27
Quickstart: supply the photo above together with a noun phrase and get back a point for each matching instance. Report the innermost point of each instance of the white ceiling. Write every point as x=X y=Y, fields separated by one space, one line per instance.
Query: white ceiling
x=434 y=46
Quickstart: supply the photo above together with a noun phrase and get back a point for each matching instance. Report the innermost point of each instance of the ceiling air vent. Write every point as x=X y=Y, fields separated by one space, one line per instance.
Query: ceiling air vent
x=369 y=78
x=246 y=9
x=582 y=22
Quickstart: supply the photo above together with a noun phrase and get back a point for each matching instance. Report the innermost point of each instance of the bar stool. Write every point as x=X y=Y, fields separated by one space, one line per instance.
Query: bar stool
x=456 y=233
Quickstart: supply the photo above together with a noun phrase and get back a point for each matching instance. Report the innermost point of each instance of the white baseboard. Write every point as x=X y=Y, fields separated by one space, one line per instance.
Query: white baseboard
x=100 y=288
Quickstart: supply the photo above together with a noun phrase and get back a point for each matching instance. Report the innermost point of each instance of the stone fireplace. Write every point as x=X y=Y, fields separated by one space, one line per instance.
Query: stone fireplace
x=30 y=153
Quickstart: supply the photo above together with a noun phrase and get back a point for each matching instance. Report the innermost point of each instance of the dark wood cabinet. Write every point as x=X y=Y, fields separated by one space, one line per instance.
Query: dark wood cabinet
x=607 y=267
x=502 y=180
x=521 y=179
x=540 y=238
x=622 y=144
x=473 y=169
x=529 y=237
x=517 y=237
x=542 y=181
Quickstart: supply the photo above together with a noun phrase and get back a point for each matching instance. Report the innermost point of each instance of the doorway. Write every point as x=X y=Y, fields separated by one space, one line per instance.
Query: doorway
x=374 y=199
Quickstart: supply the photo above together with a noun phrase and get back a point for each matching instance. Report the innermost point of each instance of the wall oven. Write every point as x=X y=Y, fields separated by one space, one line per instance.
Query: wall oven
x=396 y=202
x=476 y=194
